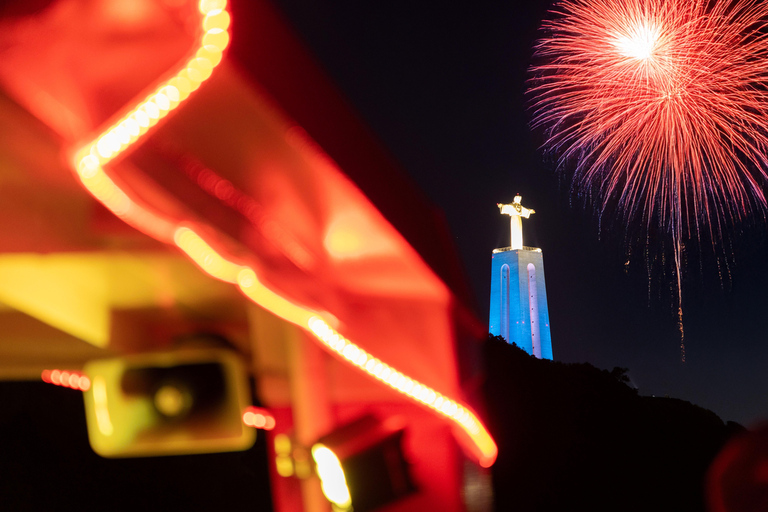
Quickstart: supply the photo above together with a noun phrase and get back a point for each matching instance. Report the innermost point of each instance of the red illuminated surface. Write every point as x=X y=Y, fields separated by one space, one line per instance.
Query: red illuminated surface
x=345 y=236
x=67 y=378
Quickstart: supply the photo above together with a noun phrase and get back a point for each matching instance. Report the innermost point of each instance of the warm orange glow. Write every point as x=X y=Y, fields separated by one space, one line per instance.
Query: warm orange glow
x=283 y=459
x=425 y=395
x=67 y=379
x=204 y=255
x=259 y=418
x=211 y=6
x=91 y=159
x=216 y=19
x=350 y=236
x=273 y=302
x=342 y=243
x=301 y=462
x=84 y=383
x=348 y=241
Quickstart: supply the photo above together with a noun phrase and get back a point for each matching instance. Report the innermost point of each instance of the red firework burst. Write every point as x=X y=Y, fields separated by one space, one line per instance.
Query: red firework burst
x=659 y=107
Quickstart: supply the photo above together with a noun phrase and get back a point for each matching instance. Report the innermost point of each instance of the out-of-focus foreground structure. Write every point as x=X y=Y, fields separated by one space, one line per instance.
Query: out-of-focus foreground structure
x=157 y=181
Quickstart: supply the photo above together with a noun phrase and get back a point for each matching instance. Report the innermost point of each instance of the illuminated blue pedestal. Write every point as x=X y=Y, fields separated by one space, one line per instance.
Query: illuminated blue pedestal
x=519 y=300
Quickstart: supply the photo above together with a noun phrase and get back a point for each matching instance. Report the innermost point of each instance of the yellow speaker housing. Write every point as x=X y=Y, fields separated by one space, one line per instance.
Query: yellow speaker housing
x=150 y=404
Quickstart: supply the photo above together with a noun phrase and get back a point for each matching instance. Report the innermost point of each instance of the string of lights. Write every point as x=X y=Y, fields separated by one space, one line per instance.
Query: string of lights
x=89 y=165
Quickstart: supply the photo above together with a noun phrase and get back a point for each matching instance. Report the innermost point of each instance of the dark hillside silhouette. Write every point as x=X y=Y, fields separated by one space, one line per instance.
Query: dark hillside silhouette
x=572 y=437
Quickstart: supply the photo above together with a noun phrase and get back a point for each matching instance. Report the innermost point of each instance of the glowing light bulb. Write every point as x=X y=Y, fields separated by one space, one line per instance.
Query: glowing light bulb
x=104 y=147
x=331 y=474
x=88 y=166
x=206 y=6
x=217 y=19
x=210 y=53
x=141 y=118
x=202 y=66
x=182 y=86
x=162 y=101
x=216 y=37
x=131 y=127
x=172 y=93
x=259 y=420
x=152 y=111
x=121 y=136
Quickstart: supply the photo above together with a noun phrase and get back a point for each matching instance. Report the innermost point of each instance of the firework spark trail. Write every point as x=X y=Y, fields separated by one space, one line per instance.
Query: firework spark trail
x=660 y=109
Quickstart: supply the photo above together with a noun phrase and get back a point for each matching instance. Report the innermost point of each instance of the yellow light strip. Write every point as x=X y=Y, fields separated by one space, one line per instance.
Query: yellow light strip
x=352 y=353
x=275 y=303
x=407 y=386
x=202 y=254
x=90 y=160
x=89 y=165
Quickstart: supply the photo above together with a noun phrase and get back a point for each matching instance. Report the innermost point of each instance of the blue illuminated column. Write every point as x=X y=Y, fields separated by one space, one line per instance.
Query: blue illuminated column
x=519 y=300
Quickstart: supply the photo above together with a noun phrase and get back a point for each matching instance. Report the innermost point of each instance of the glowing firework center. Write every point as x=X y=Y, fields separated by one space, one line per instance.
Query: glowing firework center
x=518 y=295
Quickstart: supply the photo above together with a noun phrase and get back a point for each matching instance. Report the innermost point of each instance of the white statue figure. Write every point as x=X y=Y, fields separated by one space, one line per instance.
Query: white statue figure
x=516 y=212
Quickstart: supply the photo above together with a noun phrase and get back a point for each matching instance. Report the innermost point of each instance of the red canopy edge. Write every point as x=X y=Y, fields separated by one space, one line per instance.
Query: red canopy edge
x=213 y=250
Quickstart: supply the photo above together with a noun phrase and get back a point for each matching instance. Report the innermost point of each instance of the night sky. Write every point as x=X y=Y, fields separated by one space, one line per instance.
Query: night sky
x=442 y=84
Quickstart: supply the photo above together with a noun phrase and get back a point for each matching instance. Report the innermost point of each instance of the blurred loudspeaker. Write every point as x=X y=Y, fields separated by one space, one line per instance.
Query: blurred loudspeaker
x=378 y=475
x=172 y=403
x=371 y=455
